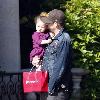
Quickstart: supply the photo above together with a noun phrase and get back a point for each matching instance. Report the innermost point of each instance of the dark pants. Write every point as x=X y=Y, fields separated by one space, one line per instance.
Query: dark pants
x=43 y=96
x=59 y=96
x=35 y=96
x=31 y=96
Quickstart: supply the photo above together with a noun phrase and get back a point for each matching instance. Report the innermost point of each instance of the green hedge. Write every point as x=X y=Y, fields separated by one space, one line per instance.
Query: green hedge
x=83 y=24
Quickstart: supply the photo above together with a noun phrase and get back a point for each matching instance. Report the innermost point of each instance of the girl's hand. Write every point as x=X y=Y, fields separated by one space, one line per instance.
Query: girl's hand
x=35 y=61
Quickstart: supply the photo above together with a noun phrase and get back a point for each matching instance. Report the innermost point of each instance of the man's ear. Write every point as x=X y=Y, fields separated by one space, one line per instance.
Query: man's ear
x=56 y=24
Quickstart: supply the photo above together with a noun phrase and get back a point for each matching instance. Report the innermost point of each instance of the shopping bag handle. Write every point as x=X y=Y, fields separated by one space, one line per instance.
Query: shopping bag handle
x=32 y=69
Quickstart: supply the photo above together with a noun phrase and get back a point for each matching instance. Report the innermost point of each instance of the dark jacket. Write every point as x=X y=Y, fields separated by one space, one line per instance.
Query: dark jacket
x=57 y=60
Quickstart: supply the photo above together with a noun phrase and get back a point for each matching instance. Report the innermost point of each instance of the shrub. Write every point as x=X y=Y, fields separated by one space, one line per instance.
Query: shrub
x=83 y=24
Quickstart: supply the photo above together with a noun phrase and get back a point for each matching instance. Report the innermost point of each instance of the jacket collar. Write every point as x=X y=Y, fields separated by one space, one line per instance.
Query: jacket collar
x=59 y=34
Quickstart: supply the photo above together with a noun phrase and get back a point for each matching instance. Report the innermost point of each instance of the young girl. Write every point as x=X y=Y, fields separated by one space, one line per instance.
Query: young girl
x=40 y=38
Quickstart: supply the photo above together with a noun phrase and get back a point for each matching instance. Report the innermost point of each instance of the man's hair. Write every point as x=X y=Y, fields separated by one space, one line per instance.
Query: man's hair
x=54 y=16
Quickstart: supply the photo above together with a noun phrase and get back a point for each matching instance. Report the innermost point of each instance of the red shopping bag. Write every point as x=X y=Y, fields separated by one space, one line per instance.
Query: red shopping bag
x=36 y=81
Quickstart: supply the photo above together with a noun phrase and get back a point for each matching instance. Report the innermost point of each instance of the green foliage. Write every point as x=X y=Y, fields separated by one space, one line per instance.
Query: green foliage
x=83 y=23
x=51 y=4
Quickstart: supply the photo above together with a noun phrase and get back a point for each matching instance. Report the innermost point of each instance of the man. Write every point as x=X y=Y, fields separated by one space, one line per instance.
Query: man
x=57 y=57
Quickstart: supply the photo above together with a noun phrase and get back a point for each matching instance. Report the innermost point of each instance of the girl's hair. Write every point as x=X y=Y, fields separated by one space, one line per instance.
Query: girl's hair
x=42 y=14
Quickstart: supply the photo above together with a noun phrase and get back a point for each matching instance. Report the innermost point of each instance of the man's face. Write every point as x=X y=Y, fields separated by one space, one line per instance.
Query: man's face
x=52 y=27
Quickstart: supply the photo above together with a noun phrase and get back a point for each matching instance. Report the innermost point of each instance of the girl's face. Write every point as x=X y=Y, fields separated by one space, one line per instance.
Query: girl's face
x=40 y=26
